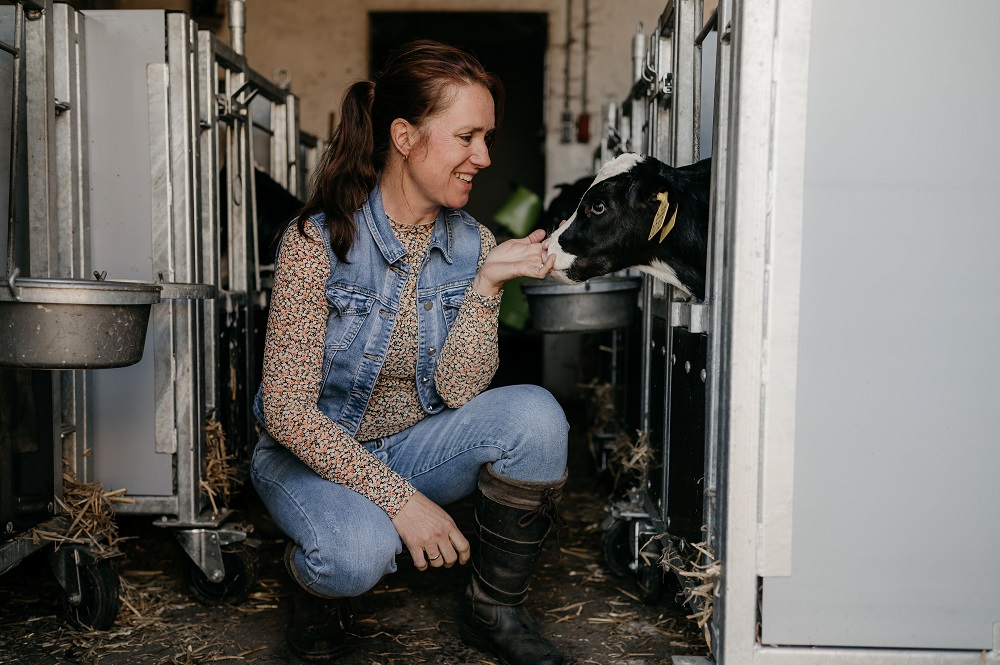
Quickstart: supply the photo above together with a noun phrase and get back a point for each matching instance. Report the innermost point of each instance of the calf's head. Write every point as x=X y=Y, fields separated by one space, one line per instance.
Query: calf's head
x=638 y=213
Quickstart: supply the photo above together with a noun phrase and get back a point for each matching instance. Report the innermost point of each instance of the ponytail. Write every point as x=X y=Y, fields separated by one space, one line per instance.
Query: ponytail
x=346 y=173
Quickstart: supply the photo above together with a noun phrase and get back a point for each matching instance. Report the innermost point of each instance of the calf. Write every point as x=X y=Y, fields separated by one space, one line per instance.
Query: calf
x=639 y=213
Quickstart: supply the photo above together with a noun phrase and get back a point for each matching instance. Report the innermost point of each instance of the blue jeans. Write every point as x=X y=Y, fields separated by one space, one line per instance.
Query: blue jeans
x=346 y=543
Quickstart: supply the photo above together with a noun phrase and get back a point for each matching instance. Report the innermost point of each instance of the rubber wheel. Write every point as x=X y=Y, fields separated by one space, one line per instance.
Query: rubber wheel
x=99 y=601
x=617 y=548
x=649 y=574
x=240 y=562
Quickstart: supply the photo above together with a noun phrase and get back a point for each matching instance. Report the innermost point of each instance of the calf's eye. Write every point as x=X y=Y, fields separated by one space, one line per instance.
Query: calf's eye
x=596 y=208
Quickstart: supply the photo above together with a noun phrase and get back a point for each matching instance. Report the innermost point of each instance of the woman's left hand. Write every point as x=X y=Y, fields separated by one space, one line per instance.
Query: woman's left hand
x=521 y=257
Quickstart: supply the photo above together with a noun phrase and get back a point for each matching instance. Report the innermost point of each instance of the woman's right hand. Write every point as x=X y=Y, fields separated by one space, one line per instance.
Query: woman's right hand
x=430 y=534
x=519 y=257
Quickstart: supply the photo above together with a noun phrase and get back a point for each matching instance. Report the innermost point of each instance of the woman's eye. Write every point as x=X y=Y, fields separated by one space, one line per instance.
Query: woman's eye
x=597 y=208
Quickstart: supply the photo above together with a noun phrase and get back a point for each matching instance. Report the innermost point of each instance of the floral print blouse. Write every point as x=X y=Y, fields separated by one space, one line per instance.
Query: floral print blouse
x=293 y=361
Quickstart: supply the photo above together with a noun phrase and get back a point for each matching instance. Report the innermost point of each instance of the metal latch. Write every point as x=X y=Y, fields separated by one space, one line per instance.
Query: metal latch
x=689 y=314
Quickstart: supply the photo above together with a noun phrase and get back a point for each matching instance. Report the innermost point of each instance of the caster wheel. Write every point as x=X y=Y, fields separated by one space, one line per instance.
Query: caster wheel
x=240 y=562
x=650 y=581
x=99 y=602
x=649 y=574
x=617 y=547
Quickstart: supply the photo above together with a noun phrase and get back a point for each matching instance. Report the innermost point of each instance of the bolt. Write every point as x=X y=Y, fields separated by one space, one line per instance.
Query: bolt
x=687 y=367
x=704 y=375
x=10 y=527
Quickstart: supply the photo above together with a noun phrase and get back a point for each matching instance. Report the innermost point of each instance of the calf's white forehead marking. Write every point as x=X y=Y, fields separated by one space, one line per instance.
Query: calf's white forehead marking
x=617 y=166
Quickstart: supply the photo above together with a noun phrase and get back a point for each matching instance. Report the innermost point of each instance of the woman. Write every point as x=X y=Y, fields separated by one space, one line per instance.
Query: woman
x=381 y=340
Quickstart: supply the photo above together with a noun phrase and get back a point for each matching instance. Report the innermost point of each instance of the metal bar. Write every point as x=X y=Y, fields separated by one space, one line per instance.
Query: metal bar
x=208 y=74
x=14 y=133
x=265 y=87
x=40 y=132
x=72 y=220
x=187 y=395
x=226 y=57
x=149 y=505
x=845 y=656
x=699 y=12
x=16 y=550
x=709 y=27
x=715 y=386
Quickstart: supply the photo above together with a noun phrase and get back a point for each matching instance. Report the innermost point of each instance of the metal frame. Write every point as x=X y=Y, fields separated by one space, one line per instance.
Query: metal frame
x=34 y=19
x=72 y=202
x=661 y=117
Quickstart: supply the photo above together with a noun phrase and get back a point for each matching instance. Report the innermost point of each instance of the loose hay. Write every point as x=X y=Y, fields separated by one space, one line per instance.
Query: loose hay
x=221 y=479
x=631 y=460
x=90 y=511
x=703 y=574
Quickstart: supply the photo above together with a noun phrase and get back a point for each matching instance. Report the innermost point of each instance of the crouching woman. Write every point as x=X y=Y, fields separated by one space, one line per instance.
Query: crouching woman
x=381 y=341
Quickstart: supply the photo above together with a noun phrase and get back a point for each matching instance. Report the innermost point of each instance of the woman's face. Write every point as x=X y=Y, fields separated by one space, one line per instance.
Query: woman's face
x=451 y=149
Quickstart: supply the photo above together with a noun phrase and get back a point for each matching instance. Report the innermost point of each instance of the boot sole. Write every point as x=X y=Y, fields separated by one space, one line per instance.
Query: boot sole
x=473 y=639
x=313 y=656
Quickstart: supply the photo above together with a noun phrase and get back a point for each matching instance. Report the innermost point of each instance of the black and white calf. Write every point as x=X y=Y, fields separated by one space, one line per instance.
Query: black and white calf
x=639 y=213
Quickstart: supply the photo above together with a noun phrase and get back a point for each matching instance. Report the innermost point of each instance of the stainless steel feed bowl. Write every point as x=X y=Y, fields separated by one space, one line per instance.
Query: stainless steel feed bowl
x=74 y=323
x=602 y=303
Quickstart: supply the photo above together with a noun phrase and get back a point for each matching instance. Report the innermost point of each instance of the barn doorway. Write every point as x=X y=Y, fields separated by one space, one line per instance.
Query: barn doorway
x=510 y=44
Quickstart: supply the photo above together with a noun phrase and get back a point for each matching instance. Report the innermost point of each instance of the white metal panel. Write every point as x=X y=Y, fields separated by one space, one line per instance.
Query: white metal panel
x=896 y=528
x=781 y=290
x=119 y=45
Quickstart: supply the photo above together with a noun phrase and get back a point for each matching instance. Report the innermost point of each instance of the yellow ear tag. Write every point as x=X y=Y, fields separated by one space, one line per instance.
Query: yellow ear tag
x=661 y=213
x=670 y=225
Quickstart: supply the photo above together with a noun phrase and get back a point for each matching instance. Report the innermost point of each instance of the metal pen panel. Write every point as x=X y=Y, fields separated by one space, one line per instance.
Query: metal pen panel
x=189 y=405
x=72 y=219
x=40 y=124
x=208 y=184
x=118 y=47
x=161 y=209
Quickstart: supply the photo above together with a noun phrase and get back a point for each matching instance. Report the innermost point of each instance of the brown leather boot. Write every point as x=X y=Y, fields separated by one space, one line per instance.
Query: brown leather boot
x=513 y=518
x=317 y=627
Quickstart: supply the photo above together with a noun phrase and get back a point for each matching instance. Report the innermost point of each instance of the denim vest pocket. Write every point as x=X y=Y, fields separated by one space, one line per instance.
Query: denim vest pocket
x=452 y=297
x=348 y=311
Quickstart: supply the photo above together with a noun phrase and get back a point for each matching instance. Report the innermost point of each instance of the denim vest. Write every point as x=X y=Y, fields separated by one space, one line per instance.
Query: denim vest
x=363 y=300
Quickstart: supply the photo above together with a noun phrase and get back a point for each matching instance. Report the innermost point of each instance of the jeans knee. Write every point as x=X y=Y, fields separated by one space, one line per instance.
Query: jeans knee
x=538 y=421
x=538 y=415
x=350 y=567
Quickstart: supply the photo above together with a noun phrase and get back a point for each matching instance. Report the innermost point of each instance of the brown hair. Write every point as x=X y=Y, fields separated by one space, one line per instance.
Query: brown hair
x=414 y=86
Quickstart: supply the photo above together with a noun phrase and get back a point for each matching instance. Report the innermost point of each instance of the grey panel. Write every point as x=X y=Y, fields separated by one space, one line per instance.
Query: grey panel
x=119 y=44
x=896 y=521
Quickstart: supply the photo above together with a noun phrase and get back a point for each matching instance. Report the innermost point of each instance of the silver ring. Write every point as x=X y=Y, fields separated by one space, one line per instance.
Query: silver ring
x=434 y=558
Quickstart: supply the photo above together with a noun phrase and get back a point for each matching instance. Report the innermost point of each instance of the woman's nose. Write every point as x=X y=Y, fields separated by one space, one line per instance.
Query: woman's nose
x=481 y=156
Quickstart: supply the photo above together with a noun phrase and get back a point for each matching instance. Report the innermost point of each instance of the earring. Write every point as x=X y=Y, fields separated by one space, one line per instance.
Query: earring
x=406 y=156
